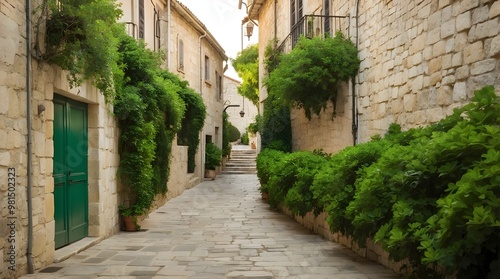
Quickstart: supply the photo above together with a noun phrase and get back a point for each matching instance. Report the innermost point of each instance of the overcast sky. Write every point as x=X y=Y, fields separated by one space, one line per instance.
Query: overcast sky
x=223 y=20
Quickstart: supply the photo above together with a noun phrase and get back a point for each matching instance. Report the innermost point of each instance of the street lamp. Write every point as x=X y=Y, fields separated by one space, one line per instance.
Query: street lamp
x=249 y=28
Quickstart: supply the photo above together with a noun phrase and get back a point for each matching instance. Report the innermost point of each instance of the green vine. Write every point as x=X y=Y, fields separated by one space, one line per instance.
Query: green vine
x=308 y=77
x=149 y=111
x=275 y=125
x=81 y=37
x=192 y=122
x=226 y=144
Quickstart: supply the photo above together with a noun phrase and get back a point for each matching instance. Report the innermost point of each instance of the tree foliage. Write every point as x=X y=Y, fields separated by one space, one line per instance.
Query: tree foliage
x=246 y=65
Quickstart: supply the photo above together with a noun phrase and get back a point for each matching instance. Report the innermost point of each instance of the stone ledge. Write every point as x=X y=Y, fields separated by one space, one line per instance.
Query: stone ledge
x=74 y=248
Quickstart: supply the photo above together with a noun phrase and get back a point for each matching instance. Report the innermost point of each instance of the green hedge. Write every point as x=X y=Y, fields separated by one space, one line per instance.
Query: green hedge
x=430 y=195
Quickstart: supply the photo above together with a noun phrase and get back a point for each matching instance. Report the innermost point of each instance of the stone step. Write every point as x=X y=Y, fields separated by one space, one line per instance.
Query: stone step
x=229 y=164
x=242 y=161
x=238 y=172
x=243 y=156
x=240 y=168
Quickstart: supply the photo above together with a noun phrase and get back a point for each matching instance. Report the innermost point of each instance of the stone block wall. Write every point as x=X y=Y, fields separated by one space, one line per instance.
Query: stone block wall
x=372 y=251
x=232 y=97
x=419 y=60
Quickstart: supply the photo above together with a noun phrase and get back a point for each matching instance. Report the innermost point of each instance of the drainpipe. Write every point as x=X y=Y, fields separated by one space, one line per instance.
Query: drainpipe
x=155 y=22
x=202 y=137
x=275 y=19
x=168 y=34
x=353 y=80
x=29 y=250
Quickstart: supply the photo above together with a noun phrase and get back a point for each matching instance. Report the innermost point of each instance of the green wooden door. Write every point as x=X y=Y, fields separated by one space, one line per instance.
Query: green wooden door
x=70 y=171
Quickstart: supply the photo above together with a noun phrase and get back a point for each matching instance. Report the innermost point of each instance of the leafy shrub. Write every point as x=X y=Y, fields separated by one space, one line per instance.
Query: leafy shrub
x=430 y=195
x=234 y=133
x=464 y=234
x=284 y=175
x=398 y=196
x=244 y=138
x=308 y=77
x=304 y=166
x=213 y=156
x=265 y=161
x=333 y=185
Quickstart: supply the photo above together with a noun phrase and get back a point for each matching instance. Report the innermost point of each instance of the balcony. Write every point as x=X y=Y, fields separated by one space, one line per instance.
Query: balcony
x=313 y=26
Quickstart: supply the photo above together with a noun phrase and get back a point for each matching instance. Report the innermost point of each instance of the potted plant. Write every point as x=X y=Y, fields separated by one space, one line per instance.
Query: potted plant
x=130 y=217
x=213 y=159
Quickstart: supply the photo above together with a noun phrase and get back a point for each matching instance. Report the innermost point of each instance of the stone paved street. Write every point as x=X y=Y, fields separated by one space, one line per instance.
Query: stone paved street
x=218 y=229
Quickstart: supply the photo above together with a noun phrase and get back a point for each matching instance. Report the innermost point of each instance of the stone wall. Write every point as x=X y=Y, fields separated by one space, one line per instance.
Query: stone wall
x=232 y=97
x=372 y=251
x=13 y=142
x=419 y=61
x=191 y=31
x=103 y=158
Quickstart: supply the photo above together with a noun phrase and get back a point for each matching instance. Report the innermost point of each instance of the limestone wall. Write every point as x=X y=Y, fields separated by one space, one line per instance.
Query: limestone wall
x=102 y=157
x=13 y=142
x=187 y=28
x=232 y=97
x=419 y=60
x=372 y=251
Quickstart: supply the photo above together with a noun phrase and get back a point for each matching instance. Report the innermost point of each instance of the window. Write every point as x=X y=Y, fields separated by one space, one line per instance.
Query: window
x=296 y=11
x=207 y=68
x=141 y=19
x=181 y=55
x=218 y=86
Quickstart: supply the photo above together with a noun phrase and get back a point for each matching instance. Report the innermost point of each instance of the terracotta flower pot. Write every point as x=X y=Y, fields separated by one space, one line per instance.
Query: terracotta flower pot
x=129 y=224
x=210 y=174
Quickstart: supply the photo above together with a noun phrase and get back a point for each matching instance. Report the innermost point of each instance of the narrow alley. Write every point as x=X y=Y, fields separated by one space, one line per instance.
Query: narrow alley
x=218 y=229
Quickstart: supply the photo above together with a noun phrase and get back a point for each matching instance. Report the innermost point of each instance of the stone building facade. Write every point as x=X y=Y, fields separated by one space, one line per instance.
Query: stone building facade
x=195 y=55
x=231 y=97
x=37 y=111
x=419 y=60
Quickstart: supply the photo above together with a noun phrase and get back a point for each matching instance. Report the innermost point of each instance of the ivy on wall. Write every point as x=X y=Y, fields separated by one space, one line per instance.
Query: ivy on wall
x=192 y=122
x=149 y=111
x=275 y=125
x=82 y=37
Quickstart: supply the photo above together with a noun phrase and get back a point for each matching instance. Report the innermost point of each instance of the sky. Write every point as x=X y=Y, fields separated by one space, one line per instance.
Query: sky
x=223 y=20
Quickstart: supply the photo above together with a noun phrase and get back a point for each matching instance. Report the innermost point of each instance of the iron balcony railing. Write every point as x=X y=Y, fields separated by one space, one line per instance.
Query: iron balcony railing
x=313 y=26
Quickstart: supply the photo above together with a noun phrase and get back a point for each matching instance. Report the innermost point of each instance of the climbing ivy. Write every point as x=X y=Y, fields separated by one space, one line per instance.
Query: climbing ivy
x=82 y=37
x=275 y=125
x=193 y=120
x=149 y=111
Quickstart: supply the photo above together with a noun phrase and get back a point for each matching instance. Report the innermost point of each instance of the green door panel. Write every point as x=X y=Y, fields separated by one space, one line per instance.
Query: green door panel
x=70 y=171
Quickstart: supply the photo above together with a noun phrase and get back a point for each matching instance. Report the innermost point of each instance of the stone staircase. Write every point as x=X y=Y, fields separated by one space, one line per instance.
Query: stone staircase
x=242 y=161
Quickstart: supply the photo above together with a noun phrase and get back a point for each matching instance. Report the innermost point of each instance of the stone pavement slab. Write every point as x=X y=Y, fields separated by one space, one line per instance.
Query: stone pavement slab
x=218 y=229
